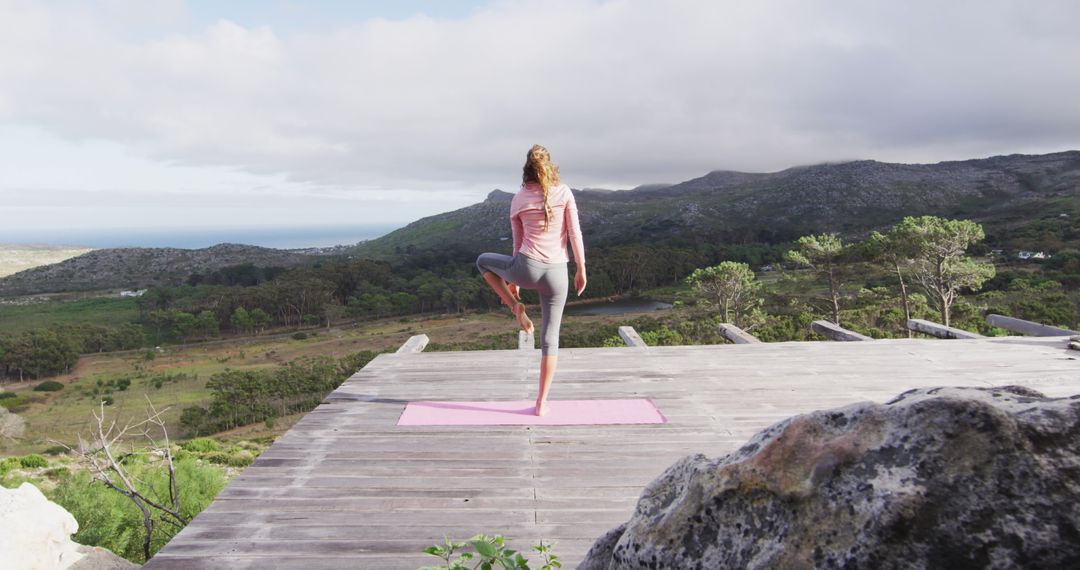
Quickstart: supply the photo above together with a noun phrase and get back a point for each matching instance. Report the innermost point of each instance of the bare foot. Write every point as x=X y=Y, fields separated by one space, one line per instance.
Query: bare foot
x=541 y=408
x=523 y=320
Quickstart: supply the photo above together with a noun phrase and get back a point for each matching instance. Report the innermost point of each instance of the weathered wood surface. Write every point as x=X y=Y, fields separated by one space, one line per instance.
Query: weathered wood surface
x=631 y=337
x=347 y=488
x=941 y=331
x=1026 y=327
x=414 y=344
x=735 y=334
x=526 y=340
x=833 y=331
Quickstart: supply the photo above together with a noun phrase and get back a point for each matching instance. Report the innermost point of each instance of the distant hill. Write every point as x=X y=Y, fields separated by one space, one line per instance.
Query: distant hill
x=851 y=198
x=133 y=268
x=1037 y=196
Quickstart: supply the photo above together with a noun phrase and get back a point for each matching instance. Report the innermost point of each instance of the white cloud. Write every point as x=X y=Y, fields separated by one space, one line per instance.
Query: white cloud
x=623 y=91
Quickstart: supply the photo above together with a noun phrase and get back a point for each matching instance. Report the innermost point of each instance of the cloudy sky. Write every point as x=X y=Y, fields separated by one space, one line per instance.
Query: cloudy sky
x=135 y=114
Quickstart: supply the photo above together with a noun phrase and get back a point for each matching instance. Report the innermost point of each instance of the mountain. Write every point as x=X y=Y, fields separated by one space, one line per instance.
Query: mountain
x=135 y=268
x=851 y=198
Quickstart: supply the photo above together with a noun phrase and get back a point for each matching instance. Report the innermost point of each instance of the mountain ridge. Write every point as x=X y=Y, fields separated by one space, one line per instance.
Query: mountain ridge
x=850 y=197
x=722 y=206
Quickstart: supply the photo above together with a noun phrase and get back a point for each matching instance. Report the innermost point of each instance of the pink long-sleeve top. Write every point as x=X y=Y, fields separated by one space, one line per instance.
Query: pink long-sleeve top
x=527 y=223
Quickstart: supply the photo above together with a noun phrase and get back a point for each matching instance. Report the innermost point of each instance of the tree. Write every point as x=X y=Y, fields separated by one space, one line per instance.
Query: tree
x=240 y=320
x=260 y=319
x=822 y=254
x=104 y=457
x=207 y=325
x=941 y=267
x=730 y=286
x=41 y=353
x=895 y=250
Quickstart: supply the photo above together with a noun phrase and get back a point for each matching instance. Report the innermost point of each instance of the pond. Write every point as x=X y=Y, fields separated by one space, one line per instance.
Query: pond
x=618 y=307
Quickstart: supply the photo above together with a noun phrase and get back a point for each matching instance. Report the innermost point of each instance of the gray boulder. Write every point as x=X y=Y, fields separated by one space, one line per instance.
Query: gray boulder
x=936 y=478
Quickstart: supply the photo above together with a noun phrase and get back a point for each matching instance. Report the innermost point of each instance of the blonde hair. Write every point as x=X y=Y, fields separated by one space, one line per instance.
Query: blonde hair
x=539 y=168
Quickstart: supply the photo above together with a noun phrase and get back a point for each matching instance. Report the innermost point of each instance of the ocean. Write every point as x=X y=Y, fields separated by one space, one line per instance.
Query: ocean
x=195 y=238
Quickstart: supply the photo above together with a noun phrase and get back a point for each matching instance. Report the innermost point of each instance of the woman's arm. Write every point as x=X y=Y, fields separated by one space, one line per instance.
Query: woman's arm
x=573 y=234
x=517 y=231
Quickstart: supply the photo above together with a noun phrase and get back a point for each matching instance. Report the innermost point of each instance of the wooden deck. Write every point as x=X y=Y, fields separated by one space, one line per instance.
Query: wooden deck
x=346 y=488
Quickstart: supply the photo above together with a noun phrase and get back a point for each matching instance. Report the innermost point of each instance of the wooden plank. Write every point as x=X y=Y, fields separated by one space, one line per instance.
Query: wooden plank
x=348 y=488
x=415 y=344
x=833 y=331
x=939 y=330
x=735 y=334
x=631 y=337
x=1026 y=327
x=526 y=340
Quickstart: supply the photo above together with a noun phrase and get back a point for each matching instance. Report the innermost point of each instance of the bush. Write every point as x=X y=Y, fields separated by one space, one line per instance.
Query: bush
x=15 y=403
x=241 y=458
x=57 y=473
x=55 y=450
x=299 y=336
x=218 y=457
x=107 y=400
x=110 y=520
x=202 y=445
x=123 y=384
x=7 y=395
x=9 y=463
x=49 y=386
x=33 y=461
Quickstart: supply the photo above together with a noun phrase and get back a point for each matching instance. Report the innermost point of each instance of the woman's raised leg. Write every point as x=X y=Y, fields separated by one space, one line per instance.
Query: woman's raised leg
x=496 y=269
x=517 y=307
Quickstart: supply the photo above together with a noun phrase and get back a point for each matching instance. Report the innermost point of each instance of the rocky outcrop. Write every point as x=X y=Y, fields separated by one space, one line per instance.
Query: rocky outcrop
x=936 y=478
x=35 y=535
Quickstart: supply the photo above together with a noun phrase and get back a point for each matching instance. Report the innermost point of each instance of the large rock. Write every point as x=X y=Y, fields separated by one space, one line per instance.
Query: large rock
x=936 y=478
x=35 y=535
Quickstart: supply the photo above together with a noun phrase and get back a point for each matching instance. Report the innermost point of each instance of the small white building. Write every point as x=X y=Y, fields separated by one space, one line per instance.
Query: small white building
x=135 y=293
x=1032 y=255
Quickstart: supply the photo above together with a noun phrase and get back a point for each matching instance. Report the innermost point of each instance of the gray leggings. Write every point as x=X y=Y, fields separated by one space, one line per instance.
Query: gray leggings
x=549 y=279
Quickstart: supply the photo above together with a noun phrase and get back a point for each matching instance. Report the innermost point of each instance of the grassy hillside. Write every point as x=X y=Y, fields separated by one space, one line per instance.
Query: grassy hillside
x=178 y=377
x=104 y=311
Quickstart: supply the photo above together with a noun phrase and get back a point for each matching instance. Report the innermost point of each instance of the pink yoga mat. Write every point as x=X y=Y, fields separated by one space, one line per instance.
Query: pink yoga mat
x=560 y=413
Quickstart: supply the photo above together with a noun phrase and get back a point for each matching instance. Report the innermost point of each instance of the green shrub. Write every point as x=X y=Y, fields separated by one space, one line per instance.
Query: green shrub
x=202 y=445
x=55 y=450
x=107 y=400
x=49 y=386
x=15 y=404
x=7 y=395
x=33 y=461
x=241 y=458
x=57 y=473
x=110 y=520
x=123 y=384
x=219 y=457
x=299 y=336
x=9 y=463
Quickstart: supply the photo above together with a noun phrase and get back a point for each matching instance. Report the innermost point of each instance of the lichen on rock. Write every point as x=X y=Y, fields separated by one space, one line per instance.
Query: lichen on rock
x=936 y=478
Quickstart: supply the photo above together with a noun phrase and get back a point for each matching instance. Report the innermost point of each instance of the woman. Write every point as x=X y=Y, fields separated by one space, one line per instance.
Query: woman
x=543 y=218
